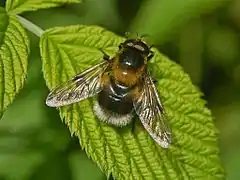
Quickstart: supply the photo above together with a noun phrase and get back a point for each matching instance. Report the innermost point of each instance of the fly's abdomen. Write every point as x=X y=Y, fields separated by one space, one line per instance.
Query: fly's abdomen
x=116 y=98
x=115 y=105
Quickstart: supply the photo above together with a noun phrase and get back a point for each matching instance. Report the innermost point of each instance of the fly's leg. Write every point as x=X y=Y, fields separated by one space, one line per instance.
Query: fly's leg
x=133 y=125
x=105 y=56
x=155 y=81
x=151 y=54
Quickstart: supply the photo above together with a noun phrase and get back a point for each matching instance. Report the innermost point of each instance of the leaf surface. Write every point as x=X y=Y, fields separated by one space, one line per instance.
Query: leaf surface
x=194 y=153
x=14 y=50
x=19 y=6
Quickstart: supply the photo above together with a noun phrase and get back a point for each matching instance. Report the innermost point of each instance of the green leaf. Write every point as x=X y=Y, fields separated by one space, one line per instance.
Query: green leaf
x=67 y=51
x=14 y=50
x=19 y=6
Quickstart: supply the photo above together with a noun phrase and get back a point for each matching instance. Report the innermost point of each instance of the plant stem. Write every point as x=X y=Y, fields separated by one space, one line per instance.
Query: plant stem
x=30 y=26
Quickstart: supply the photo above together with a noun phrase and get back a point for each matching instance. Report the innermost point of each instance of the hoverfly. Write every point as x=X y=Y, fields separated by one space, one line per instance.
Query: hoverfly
x=123 y=87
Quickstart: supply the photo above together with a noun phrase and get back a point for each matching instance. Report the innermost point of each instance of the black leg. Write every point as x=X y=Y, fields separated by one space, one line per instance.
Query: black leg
x=150 y=55
x=155 y=81
x=120 y=46
x=105 y=56
x=133 y=125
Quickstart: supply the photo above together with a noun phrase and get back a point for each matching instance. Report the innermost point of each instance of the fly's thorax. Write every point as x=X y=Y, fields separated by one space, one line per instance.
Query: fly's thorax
x=127 y=69
x=131 y=58
x=125 y=77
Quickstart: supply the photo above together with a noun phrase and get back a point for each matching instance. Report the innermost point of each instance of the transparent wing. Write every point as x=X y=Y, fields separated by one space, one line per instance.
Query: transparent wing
x=81 y=86
x=151 y=113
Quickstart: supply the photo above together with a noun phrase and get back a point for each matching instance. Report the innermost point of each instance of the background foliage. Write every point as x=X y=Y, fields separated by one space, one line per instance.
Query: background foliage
x=34 y=144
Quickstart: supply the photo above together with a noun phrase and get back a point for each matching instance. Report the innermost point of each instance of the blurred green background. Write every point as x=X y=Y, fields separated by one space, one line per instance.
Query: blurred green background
x=201 y=35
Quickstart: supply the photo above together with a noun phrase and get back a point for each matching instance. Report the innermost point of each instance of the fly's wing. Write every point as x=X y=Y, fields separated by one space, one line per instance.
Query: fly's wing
x=81 y=86
x=151 y=113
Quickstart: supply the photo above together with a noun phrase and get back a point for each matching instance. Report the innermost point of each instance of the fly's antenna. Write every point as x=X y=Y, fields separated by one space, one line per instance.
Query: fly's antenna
x=127 y=34
x=144 y=36
x=141 y=37
x=136 y=35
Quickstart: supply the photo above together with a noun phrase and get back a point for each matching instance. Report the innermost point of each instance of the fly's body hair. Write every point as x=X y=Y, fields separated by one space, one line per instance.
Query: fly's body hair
x=111 y=117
